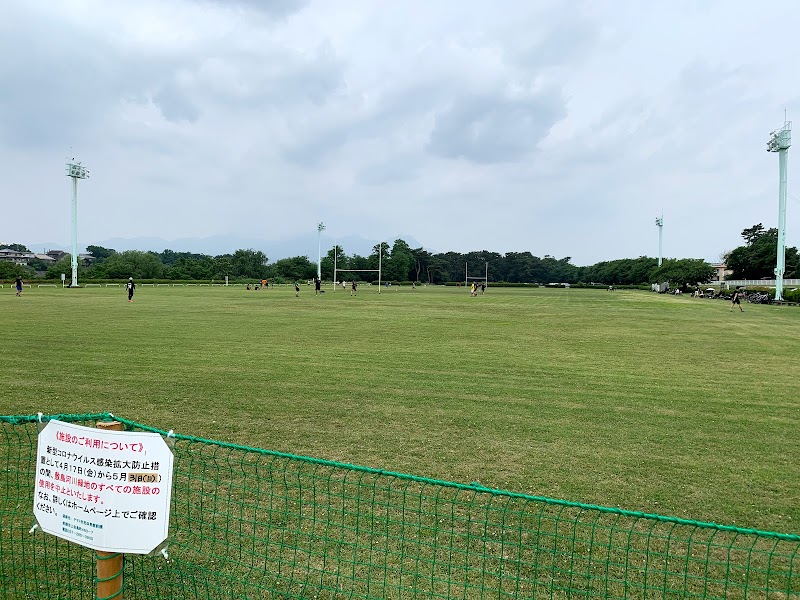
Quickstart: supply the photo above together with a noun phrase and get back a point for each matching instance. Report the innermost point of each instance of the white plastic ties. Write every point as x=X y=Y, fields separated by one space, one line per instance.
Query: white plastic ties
x=40 y=416
x=164 y=553
x=35 y=525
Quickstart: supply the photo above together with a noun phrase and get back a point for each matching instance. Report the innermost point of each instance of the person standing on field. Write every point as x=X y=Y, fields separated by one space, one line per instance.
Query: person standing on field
x=296 y=289
x=737 y=299
x=18 y=285
x=353 y=287
x=131 y=286
x=317 y=284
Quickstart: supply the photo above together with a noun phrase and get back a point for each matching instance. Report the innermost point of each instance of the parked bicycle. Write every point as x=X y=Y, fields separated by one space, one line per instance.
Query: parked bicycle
x=759 y=298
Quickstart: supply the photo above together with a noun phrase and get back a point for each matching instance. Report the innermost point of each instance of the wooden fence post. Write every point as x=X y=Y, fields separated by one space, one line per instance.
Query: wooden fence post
x=109 y=564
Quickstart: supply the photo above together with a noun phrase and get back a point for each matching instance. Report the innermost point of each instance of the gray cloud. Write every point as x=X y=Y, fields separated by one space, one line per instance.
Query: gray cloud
x=396 y=110
x=311 y=152
x=52 y=84
x=271 y=77
x=66 y=81
x=567 y=40
x=273 y=8
x=494 y=129
x=399 y=168
x=175 y=105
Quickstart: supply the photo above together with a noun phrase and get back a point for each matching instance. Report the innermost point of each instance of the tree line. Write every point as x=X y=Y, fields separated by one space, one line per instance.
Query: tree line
x=399 y=262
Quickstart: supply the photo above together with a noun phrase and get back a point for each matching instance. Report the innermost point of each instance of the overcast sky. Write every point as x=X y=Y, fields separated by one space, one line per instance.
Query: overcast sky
x=561 y=128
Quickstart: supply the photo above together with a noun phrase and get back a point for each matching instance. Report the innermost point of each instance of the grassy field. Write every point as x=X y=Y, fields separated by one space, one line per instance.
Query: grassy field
x=630 y=399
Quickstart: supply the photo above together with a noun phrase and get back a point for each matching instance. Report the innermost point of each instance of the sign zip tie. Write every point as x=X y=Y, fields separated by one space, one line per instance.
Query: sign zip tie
x=35 y=525
x=40 y=417
x=170 y=433
x=164 y=553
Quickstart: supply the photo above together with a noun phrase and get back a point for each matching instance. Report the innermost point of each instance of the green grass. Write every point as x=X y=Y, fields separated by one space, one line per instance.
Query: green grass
x=628 y=399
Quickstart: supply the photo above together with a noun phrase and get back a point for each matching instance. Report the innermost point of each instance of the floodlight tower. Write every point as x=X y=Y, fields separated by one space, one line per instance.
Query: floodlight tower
x=779 y=141
x=660 y=224
x=320 y=229
x=76 y=171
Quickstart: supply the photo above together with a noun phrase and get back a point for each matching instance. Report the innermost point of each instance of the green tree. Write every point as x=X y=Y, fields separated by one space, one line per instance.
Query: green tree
x=422 y=258
x=294 y=268
x=249 y=263
x=751 y=234
x=16 y=247
x=360 y=263
x=625 y=271
x=378 y=256
x=134 y=263
x=63 y=266
x=9 y=270
x=757 y=258
x=519 y=267
x=38 y=265
x=336 y=256
x=683 y=272
x=436 y=270
x=100 y=253
x=168 y=257
x=399 y=263
x=201 y=267
x=223 y=266
x=452 y=266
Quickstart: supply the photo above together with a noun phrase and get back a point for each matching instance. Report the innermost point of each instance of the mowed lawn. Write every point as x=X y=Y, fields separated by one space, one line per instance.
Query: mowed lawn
x=631 y=399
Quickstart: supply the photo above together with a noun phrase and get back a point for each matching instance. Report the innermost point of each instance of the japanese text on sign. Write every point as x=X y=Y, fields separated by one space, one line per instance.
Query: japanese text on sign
x=107 y=490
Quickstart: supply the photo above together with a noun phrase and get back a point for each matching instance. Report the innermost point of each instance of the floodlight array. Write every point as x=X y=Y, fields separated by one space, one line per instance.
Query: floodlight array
x=77 y=170
x=780 y=139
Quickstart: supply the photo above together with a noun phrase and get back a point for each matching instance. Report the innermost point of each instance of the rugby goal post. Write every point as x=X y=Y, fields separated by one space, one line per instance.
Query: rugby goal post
x=336 y=270
x=467 y=278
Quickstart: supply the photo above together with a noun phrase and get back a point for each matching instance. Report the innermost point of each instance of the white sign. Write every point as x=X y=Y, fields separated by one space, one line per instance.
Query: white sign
x=106 y=490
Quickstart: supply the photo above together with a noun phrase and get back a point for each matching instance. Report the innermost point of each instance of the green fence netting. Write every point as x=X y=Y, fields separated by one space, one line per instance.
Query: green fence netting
x=249 y=523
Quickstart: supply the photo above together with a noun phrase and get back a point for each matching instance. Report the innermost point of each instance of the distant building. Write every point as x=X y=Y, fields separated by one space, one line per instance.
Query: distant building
x=50 y=258
x=57 y=254
x=16 y=257
x=721 y=271
x=45 y=258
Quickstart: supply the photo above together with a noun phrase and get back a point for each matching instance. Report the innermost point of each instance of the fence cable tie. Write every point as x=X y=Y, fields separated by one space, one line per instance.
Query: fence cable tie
x=112 y=415
x=40 y=417
x=170 y=433
x=35 y=525
x=164 y=553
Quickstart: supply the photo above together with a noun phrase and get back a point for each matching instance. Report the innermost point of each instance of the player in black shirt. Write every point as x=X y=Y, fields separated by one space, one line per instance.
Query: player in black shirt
x=737 y=299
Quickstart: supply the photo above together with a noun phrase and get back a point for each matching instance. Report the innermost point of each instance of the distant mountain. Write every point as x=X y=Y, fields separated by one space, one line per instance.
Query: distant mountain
x=301 y=245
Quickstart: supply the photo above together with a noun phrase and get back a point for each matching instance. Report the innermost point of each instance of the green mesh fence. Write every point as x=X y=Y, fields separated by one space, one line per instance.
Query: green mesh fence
x=248 y=523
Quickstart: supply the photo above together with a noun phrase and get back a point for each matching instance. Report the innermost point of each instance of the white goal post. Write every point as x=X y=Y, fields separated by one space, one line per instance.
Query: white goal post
x=467 y=278
x=336 y=270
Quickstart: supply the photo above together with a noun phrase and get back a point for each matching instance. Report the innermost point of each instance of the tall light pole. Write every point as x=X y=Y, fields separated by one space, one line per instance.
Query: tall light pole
x=320 y=229
x=660 y=224
x=76 y=171
x=779 y=141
